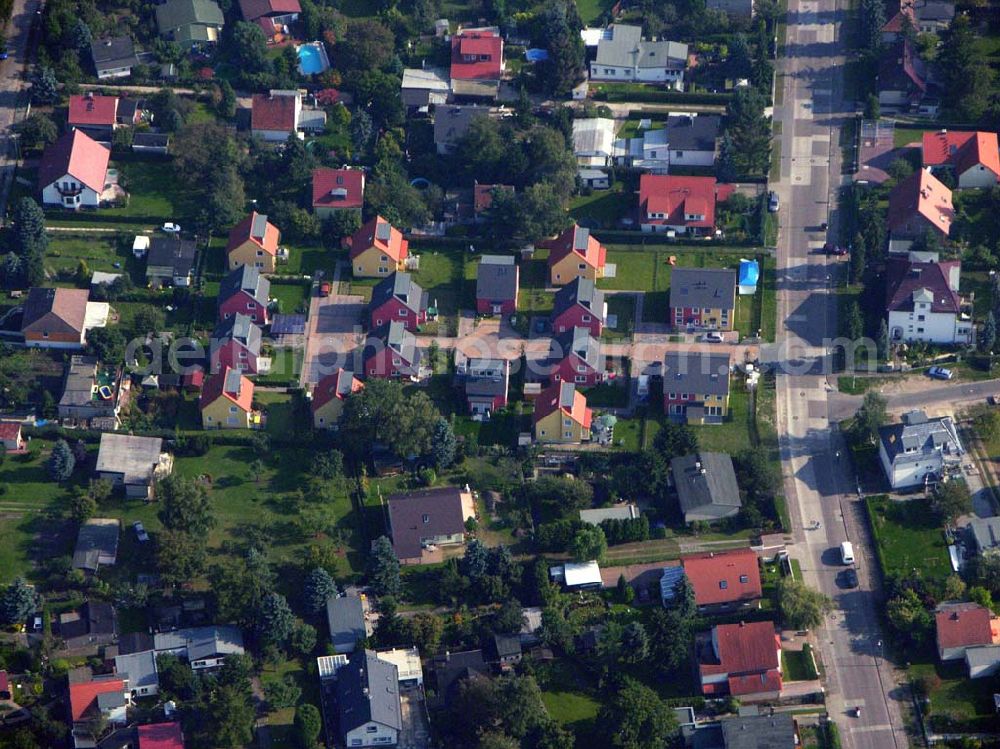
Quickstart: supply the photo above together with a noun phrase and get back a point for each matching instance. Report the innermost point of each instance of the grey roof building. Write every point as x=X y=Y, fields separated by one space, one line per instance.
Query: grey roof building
x=982 y=661
x=203 y=647
x=368 y=697
x=83 y=398
x=984 y=534
x=151 y=142
x=919 y=449
x=687 y=133
x=706 y=486
x=759 y=732
x=248 y=280
x=94 y=623
x=346 y=618
x=452 y=122
x=96 y=544
x=113 y=57
x=170 y=259
x=703 y=288
x=618 y=512
x=125 y=459
x=696 y=373
x=401 y=286
x=139 y=670
x=625 y=47
x=241 y=329
x=496 y=279
x=580 y=291
x=189 y=21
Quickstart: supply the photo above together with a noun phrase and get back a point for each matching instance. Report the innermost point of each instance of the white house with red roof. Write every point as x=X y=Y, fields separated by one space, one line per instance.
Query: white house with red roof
x=476 y=63
x=275 y=115
x=684 y=205
x=973 y=157
x=724 y=580
x=960 y=626
x=73 y=171
x=922 y=302
x=337 y=190
x=10 y=437
x=94 y=114
x=742 y=660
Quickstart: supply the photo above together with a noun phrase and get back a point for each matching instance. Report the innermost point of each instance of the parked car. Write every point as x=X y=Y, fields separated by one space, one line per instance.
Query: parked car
x=36 y=623
x=140 y=532
x=325 y=288
x=940 y=373
x=4 y=54
x=850 y=579
x=171 y=228
x=831 y=249
x=712 y=337
x=772 y=202
x=994 y=400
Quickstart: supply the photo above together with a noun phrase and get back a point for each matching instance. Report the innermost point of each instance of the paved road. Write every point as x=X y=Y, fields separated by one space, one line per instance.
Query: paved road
x=11 y=83
x=935 y=396
x=817 y=484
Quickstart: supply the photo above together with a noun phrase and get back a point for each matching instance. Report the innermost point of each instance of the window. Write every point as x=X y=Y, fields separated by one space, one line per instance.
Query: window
x=403 y=312
x=243 y=354
x=543 y=432
x=426 y=518
x=385 y=259
x=382 y=270
x=251 y=305
x=679 y=154
x=378 y=323
x=744 y=578
x=396 y=361
x=581 y=368
x=684 y=396
x=585 y=318
x=567 y=422
x=582 y=266
x=581 y=378
x=232 y=409
x=920 y=318
x=371 y=729
x=260 y=253
x=920 y=330
x=372 y=372
x=568 y=435
x=673 y=396
x=706 y=310
x=723 y=584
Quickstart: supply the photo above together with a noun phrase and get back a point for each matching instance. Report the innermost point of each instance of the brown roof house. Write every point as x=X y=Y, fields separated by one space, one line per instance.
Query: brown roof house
x=960 y=626
x=275 y=115
x=422 y=522
x=60 y=318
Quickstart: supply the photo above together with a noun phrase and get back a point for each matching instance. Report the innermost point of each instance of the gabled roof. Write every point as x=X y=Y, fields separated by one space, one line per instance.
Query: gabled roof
x=368 y=690
x=200 y=642
x=83 y=695
x=476 y=55
x=450 y=667
x=339 y=384
x=92 y=109
x=723 y=577
x=507 y=645
x=247 y=279
x=161 y=736
x=496 y=278
x=985 y=532
x=744 y=648
x=172 y=252
x=92 y=618
x=78 y=155
x=254 y=9
x=229 y=384
x=760 y=731
x=907 y=282
x=963 y=624
x=564 y=397
x=257 y=229
x=898 y=12
x=97 y=537
x=173 y=14
x=580 y=291
x=692 y=133
x=696 y=373
x=397 y=339
x=452 y=122
x=402 y=287
x=980 y=149
x=713 y=288
x=580 y=343
x=383 y=236
x=55 y=310
x=138 y=668
x=422 y=514
x=901 y=69
x=10 y=430
x=338 y=188
x=921 y=194
x=239 y=328
x=576 y=241
x=676 y=198
x=705 y=479
x=274 y=111
x=939 y=147
x=115 y=52
x=622 y=45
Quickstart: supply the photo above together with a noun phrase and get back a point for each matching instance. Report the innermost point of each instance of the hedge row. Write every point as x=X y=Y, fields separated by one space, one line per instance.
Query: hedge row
x=654 y=96
x=229 y=438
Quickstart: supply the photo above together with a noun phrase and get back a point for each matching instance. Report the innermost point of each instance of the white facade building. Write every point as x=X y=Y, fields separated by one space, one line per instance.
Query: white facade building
x=918 y=449
x=622 y=55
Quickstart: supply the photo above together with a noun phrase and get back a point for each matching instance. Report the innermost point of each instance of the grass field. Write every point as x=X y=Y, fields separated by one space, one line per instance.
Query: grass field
x=292 y=297
x=623 y=306
x=602 y=208
x=154 y=191
x=907 y=538
x=566 y=692
x=794 y=665
x=967 y=702
x=99 y=251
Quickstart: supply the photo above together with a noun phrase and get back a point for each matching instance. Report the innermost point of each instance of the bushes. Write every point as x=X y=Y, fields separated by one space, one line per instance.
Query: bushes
x=625 y=531
x=809 y=658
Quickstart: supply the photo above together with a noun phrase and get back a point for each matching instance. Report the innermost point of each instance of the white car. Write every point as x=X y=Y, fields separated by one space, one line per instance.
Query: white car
x=140 y=532
x=712 y=337
x=171 y=228
x=940 y=373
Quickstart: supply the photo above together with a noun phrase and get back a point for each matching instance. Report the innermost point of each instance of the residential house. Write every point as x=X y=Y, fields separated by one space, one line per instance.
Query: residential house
x=92 y=393
x=476 y=63
x=982 y=661
x=131 y=112
x=368 y=704
x=452 y=122
x=392 y=351
x=901 y=19
x=902 y=77
x=160 y=736
x=576 y=357
x=275 y=116
x=972 y=157
x=96 y=545
x=254 y=242
x=561 y=415
x=497 y=283
x=226 y=401
x=138 y=672
x=922 y=302
x=724 y=580
x=684 y=140
x=706 y=486
x=289 y=331
x=94 y=114
x=451 y=668
x=618 y=512
x=329 y=396
x=594 y=148
x=378 y=249
x=424 y=87
x=683 y=205
x=773 y=731
x=398 y=298
x=423 y=521
x=578 y=575
x=575 y=254
x=93 y=700
x=113 y=57
x=60 y=318
x=133 y=462
x=408 y=666
x=486 y=385
x=508 y=650
x=703 y=298
x=742 y=660
x=73 y=171
x=10 y=437
x=983 y=535
x=482 y=198
x=623 y=55
x=579 y=304
x=925 y=17
x=336 y=190
x=276 y=12
x=347 y=619
x=732 y=8
x=245 y=291
x=190 y=22
x=170 y=260
x=696 y=387
x=202 y=647
x=919 y=449
x=92 y=625
x=920 y=204
x=934 y=16
x=236 y=344
x=959 y=626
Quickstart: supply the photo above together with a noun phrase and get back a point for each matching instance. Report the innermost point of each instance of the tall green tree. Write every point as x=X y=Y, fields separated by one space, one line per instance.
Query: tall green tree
x=988 y=338
x=275 y=620
x=30 y=238
x=564 y=68
x=950 y=500
x=18 y=601
x=383 y=568
x=801 y=607
x=307 y=726
x=319 y=587
x=589 y=543
x=968 y=79
x=443 y=444
x=675 y=440
x=871 y=416
x=634 y=717
x=61 y=462
x=185 y=506
x=854 y=323
x=180 y=557
x=750 y=131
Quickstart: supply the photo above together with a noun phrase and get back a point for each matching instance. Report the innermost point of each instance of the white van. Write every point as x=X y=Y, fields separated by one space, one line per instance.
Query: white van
x=847 y=553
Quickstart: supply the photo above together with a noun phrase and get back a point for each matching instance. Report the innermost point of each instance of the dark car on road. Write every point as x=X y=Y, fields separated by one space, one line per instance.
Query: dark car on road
x=850 y=578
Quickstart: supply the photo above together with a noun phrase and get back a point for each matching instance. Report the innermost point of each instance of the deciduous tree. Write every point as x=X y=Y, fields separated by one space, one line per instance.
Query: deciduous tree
x=636 y=718
x=801 y=607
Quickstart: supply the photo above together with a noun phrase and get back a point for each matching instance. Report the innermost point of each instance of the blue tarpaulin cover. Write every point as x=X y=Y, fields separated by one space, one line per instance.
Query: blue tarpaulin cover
x=749 y=272
x=536 y=55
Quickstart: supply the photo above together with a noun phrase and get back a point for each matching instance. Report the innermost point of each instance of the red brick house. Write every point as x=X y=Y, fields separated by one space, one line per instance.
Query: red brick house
x=392 y=351
x=724 y=580
x=497 y=285
x=743 y=660
x=337 y=190
x=398 y=298
x=579 y=304
x=244 y=291
x=576 y=357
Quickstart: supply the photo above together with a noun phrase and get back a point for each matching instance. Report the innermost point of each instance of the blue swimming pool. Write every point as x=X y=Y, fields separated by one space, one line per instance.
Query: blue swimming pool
x=312 y=58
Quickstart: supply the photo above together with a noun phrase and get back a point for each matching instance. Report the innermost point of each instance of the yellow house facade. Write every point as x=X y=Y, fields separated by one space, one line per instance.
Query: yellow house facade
x=253 y=242
x=561 y=415
x=227 y=401
x=564 y=271
x=249 y=253
x=327 y=415
x=560 y=429
x=378 y=249
x=374 y=263
x=224 y=414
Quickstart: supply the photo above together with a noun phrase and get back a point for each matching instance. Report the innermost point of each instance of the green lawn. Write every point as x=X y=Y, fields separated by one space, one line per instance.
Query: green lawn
x=292 y=297
x=154 y=191
x=908 y=538
x=602 y=208
x=591 y=10
x=98 y=251
x=533 y=299
x=566 y=692
x=622 y=305
x=794 y=665
x=307 y=259
x=442 y=276
x=607 y=395
x=967 y=702
x=903 y=136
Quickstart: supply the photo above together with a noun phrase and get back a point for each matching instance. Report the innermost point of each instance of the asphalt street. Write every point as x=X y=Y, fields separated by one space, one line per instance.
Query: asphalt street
x=11 y=81
x=934 y=396
x=818 y=484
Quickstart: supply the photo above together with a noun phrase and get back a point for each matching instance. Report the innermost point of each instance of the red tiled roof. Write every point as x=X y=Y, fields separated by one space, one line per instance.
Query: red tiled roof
x=921 y=193
x=78 y=155
x=466 y=50
x=330 y=387
x=215 y=388
x=708 y=572
x=962 y=624
x=254 y=9
x=745 y=648
x=91 y=109
x=273 y=113
x=161 y=736
x=981 y=148
x=594 y=255
x=243 y=231
x=9 y=430
x=368 y=236
x=902 y=278
x=676 y=197
x=769 y=681
x=83 y=696
x=482 y=196
x=548 y=401
x=325 y=181
x=895 y=24
x=940 y=146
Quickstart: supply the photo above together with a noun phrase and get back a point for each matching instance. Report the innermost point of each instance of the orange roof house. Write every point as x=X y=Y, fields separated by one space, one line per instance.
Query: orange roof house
x=575 y=254
x=685 y=205
x=920 y=203
x=740 y=659
x=73 y=171
x=329 y=396
x=378 y=249
x=724 y=579
x=254 y=242
x=83 y=696
x=561 y=415
x=93 y=112
x=226 y=401
x=973 y=156
x=960 y=626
